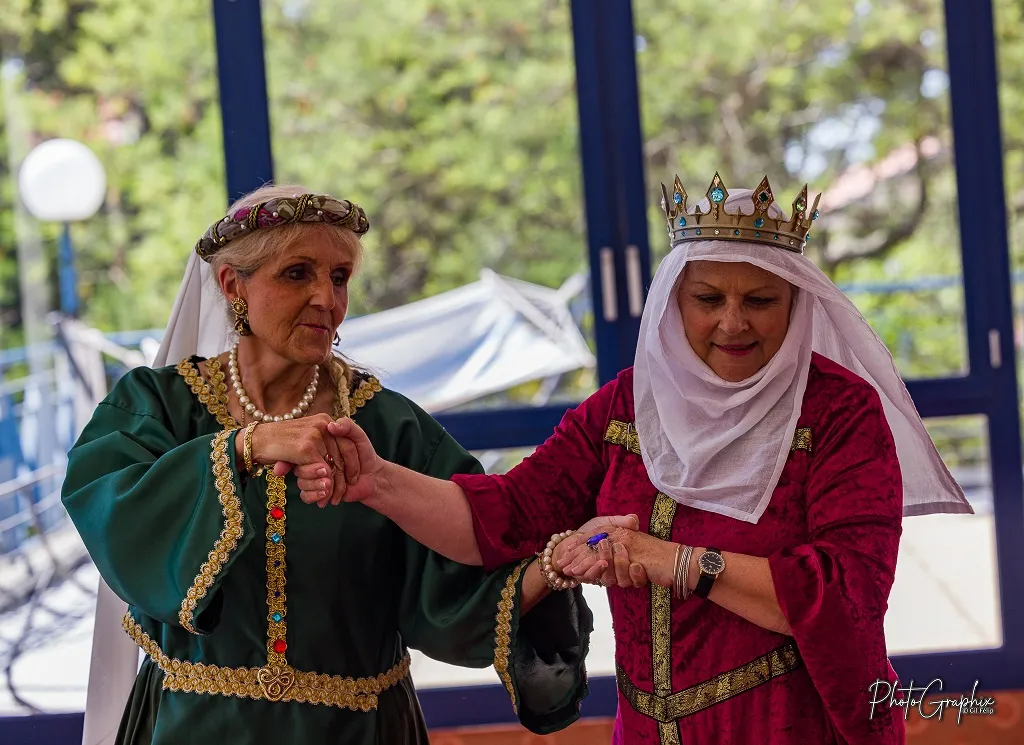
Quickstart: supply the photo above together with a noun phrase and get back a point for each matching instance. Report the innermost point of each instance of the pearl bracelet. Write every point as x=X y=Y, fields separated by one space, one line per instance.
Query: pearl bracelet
x=555 y=580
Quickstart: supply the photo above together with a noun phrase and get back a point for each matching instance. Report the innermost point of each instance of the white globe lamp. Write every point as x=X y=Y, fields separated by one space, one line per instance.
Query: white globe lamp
x=63 y=181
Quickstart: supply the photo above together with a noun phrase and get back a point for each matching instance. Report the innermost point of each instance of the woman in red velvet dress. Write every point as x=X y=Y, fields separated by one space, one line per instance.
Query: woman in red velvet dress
x=768 y=448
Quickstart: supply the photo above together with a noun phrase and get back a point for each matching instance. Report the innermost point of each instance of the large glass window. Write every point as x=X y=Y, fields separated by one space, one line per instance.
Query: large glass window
x=851 y=98
x=137 y=84
x=940 y=602
x=454 y=124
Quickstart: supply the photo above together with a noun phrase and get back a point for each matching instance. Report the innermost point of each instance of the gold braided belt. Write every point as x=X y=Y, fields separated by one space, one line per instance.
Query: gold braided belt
x=698 y=697
x=271 y=682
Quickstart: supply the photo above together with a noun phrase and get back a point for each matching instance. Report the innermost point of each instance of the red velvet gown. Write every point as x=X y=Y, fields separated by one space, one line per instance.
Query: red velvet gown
x=690 y=672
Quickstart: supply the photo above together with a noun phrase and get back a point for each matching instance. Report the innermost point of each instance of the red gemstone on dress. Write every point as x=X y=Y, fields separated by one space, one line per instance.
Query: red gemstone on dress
x=280 y=646
x=277 y=513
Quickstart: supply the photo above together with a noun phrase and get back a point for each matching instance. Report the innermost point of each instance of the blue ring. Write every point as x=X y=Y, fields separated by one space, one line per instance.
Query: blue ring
x=594 y=540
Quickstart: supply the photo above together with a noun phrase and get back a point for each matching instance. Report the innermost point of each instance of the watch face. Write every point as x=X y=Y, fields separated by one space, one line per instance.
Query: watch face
x=711 y=563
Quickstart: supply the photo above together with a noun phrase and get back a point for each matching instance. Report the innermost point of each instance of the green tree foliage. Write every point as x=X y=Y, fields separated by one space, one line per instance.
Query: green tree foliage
x=455 y=124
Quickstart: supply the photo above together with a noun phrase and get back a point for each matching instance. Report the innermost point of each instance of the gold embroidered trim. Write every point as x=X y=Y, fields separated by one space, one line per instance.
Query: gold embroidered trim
x=359 y=694
x=215 y=399
x=667 y=709
x=342 y=405
x=366 y=391
x=503 y=630
x=277 y=599
x=226 y=542
x=276 y=681
x=662 y=515
x=801 y=439
x=624 y=434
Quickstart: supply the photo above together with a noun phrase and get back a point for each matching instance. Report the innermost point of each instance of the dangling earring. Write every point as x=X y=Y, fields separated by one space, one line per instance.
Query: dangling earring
x=337 y=339
x=241 y=310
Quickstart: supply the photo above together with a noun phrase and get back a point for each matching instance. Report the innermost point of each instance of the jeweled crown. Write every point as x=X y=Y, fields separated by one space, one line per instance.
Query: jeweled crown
x=757 y=227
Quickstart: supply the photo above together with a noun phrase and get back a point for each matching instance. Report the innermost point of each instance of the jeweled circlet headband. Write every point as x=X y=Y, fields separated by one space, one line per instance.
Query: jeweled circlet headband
x=282 y=211
x=718 y=224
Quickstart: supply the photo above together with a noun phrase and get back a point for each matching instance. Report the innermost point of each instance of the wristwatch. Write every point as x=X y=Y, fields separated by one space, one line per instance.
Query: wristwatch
x=711 y=563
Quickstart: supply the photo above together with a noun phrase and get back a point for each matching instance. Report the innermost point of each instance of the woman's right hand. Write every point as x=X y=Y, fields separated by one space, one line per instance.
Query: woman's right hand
x=296 y=443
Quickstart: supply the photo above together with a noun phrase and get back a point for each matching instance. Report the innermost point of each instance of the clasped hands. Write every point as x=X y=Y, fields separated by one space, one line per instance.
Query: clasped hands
x=626 y=557
x=335 y=462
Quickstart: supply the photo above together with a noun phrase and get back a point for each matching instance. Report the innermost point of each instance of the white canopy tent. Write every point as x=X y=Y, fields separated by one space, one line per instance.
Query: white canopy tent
x=476 y=340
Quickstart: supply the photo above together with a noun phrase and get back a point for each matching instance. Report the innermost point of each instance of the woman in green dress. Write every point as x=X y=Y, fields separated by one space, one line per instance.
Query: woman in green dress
x=264 y=619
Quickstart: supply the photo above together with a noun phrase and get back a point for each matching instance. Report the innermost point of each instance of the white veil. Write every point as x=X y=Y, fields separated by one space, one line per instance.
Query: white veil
x=198 y=325
x=721 y=446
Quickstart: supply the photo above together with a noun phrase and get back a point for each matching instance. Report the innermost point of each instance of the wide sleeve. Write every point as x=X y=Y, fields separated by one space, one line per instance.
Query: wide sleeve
x=161 y=515
x=467 y=616
x=834 y=590
x=555 y=489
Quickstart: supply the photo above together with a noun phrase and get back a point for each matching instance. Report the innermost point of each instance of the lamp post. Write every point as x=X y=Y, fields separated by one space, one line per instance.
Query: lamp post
x=63 y=181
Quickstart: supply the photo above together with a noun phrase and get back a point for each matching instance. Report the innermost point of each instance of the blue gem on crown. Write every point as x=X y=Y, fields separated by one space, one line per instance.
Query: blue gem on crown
x=677 y=198
x=717 y=195
x=759 y=222
x=682 y=222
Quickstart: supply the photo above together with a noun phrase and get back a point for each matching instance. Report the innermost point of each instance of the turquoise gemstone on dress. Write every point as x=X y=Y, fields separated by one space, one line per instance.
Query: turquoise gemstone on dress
x=717 y=195
x=759 y=222
x=276 y=538
x=677 y=198
x=277 y=617
x=682 y=222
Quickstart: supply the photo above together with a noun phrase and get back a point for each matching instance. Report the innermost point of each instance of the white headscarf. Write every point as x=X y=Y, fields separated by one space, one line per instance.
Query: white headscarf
x=198 y=325
x=721 y=446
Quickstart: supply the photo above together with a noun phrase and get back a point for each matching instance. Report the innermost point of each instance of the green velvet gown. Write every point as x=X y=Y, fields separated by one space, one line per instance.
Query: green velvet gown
x=268 y=620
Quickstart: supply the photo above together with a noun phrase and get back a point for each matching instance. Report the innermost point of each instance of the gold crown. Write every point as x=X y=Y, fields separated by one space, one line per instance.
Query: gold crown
x=717 y=224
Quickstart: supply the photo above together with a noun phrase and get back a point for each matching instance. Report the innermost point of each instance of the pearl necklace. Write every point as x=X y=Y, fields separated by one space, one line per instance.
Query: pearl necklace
x=250 y=407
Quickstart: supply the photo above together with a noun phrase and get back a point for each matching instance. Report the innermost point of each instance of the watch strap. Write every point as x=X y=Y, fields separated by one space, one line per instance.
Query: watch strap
x=705 y=581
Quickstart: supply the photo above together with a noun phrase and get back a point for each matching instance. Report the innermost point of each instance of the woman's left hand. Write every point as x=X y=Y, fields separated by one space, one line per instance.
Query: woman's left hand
x=608 y=566
x=657 y=557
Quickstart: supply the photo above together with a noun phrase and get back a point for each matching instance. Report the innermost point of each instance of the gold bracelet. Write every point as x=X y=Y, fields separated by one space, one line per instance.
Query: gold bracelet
x=247 y=447
x=675 y=570
x=684 y=574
